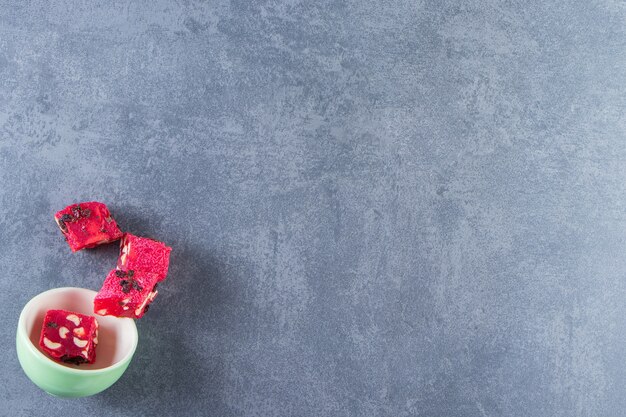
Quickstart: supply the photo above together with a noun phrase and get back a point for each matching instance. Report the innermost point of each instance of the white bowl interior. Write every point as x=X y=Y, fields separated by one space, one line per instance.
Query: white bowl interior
x=117 y=337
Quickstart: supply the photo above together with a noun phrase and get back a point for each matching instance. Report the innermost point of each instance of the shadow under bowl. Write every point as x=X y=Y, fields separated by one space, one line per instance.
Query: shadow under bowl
x=117 y=343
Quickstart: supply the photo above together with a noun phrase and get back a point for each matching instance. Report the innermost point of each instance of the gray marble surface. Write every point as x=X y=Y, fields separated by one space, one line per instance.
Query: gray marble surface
x=396 y=208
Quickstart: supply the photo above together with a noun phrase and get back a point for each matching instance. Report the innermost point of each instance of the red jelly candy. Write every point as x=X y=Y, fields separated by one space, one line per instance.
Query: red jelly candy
x=126 y=293
x=86 y=225
x=69 y=337
x=144 y=254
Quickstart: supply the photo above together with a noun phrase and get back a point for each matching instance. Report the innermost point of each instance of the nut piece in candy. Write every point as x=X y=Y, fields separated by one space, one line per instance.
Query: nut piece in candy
x=79 y=331
x=63 y=331
x=50 y=344
x=124 y=251
x=80 y=343
x=73 y=318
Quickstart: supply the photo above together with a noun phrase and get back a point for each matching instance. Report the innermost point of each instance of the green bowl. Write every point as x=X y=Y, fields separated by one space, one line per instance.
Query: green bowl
x=117 y=343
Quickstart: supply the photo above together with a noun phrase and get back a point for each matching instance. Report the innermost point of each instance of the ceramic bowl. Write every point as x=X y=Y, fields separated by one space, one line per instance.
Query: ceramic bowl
x=117 y=343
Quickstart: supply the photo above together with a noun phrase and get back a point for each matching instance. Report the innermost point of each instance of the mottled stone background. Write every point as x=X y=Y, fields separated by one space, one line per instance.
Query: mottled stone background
x=377 y=208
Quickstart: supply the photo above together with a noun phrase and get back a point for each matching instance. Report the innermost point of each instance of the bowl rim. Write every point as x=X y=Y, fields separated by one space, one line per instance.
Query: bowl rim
x=21 y=333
